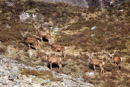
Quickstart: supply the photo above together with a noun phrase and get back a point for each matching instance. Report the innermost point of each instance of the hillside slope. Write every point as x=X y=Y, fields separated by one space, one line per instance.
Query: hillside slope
x=80 y=30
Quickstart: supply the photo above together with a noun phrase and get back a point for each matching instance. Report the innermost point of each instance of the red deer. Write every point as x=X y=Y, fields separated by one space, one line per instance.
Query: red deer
x=96 y=62
x=116 y=60
x=58 y=48
x=42 y=34
x=29 y=41
x=54 y=60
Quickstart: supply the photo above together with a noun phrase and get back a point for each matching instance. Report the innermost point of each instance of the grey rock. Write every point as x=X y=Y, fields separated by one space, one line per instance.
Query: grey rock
x=24 y=16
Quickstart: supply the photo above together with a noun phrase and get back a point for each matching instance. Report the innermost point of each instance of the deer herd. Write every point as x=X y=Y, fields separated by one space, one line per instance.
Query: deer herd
x=34 y=43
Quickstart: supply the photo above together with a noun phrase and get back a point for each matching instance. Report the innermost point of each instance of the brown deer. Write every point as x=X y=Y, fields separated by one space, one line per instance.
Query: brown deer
x=53 y=60
x=42 y=34
x=96 y=62
x=57 y=48
x=116 y=60
x=29 y=41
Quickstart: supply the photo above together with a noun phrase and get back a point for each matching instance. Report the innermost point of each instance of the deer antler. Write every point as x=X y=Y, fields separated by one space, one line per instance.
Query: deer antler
x=24 y=33
x=21 y=33
x=111 y=55
x=37 y=25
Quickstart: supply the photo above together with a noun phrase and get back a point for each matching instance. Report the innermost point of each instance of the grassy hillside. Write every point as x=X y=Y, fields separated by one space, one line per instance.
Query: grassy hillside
x=82 y=30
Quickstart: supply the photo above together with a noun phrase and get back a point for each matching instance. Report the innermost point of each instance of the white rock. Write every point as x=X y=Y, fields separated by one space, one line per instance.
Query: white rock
x=121 y=10
x=56 y=29
x=90 y=74
x=24 y=16
x=93 y=28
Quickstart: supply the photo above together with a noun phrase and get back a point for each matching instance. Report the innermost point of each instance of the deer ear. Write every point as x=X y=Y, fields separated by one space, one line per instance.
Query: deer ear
x=26 y=32
x=21 y=33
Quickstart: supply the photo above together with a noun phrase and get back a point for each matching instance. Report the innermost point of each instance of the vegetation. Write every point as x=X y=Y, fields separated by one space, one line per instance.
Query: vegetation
x=82 y=30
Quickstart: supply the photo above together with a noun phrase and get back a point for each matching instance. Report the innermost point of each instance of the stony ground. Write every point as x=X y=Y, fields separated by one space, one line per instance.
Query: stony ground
x=10 y=76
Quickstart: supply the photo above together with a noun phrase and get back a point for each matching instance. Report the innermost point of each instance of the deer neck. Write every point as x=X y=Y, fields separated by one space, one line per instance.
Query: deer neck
x=24 y=38
x=90 y=60
x=37 y=31
x=47 y=57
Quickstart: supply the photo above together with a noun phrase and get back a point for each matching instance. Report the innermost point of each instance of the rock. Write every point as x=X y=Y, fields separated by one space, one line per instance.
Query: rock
x=56 y=29
x=7 y=25
x=15 y=69
x=94 y=27
x=4 y=80
x=24 y=16
x=16 y=86
x=121 y=10
x=10 y=76
x=90 y=74
x=32 y=53
x=10 y=4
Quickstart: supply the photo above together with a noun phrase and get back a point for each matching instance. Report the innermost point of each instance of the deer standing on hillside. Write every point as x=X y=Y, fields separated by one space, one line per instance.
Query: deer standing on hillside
x=57 y=48
x=96 y=62
x=53 y=60
x=29 y=41
x=42 y=34
x=116 y=60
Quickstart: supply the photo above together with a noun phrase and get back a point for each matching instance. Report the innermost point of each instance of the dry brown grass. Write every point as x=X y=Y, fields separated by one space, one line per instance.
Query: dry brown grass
x=111 y=33
x=41 y=74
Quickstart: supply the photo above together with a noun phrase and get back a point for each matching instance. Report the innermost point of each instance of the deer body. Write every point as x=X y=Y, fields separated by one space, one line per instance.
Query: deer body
x=30 y=41
x=42 y=34
x=56 y=60
x=97 y=62
x=117 y=61
x=58 y=48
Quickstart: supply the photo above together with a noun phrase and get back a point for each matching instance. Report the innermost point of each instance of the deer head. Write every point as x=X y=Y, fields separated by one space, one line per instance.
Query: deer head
x=23 y=33
x=111 y=55
x=90 y=55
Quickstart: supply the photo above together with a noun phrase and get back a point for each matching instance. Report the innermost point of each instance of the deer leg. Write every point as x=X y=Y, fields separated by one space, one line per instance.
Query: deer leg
x=41 y=38
x=29 y=56
x=118 y=65
x=60 y=66
x=63 y=53
x=36 y=46
x=51 y=66
x=102 y=70
x=94 y=67
x=29 y=46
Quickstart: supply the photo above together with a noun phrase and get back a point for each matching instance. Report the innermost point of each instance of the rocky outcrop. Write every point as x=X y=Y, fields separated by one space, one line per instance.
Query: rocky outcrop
x=10 y=76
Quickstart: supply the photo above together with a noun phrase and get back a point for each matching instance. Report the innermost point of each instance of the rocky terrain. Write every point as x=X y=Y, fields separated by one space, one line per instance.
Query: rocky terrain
x=10 y=76
x=82 y=31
